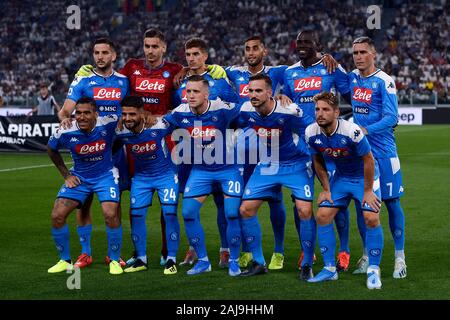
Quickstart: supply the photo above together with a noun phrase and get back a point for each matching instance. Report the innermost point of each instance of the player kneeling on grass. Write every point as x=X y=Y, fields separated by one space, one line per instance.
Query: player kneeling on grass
x=154 y=171
x=343 y=143
x=90 y=141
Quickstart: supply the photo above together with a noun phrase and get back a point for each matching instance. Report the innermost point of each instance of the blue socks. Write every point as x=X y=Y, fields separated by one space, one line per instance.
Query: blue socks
x=114 y=236
x=84 y=234
x=139 y=231
x=221 y=219
x=342 y=220
x=172 y=229
x=61 y=238
x=361 y=223
x=253 y=237
x=396 y=222
x=308 y=240
x=327 y=244
x=232 y=205
x=374 y=241
x=278 y=219
x=193 y=227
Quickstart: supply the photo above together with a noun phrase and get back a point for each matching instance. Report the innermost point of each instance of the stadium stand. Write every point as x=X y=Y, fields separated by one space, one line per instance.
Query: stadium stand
x=37 y=46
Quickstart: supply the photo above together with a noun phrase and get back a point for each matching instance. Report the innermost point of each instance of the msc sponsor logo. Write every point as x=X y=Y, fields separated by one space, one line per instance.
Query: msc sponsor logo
x=308 y=99
x=151 y=100
x=107 y=108
x=361 y=110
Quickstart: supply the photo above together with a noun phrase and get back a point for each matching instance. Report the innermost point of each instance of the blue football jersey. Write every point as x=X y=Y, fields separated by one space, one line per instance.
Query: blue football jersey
x=211 y=144
x=301 y=84
x=375 y=107
x=148 y=148
x=106 y=91
x=345 y=147
x=218 y=88
x=239 y=76
x=91 y=152
x=287 y=123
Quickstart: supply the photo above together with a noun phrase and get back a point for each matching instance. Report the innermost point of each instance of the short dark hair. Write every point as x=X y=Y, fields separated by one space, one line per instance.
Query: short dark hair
x=262 y=76
x=196 y=43
x=256 y=38
x=106 y=41
x=328 y=97
x=198 y=78
x=155 y=33
x=365 y=39
x=132 y=101
x=87 y=100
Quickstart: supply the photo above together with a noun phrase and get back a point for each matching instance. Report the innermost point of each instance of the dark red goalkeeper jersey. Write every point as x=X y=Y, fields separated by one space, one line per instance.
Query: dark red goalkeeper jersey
x=154 y=85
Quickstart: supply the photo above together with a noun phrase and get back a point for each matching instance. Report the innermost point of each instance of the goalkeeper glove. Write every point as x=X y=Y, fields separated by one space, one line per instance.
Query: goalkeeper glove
x=84 y=71
x=216 y=71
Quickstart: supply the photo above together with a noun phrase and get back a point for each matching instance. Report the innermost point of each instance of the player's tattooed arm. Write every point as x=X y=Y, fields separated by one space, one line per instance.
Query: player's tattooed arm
x=71 y=180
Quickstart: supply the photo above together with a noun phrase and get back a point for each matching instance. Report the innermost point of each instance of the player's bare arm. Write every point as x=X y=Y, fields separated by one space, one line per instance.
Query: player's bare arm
x=329 y=62
x=284 y=100
x=71 y=180
x=369 y=170
x=322 y=175
x=65 y=113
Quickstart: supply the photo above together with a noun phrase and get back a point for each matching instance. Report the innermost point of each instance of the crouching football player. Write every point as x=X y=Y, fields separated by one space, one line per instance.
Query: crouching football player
x=90 y=140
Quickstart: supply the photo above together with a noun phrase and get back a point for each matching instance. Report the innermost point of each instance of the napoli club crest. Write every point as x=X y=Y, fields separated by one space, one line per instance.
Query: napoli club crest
x=166 y=74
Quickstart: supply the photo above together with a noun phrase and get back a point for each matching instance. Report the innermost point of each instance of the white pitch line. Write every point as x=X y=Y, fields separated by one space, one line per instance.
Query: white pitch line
x=29 y=167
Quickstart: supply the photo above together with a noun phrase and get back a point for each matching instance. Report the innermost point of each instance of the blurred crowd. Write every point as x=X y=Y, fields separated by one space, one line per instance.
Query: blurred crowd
x=38 y=47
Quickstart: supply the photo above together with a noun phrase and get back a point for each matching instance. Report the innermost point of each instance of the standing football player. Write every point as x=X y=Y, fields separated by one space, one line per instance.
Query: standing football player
x=107 y=87
x=196 y=51
x=375 y=110
x=302 y=81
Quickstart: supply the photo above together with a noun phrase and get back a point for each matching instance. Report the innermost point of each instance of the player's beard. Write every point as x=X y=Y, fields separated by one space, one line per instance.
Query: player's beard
x=258 y=103
x=133 y=125
x=325 y=124
x=105 y=67
x=255 y=63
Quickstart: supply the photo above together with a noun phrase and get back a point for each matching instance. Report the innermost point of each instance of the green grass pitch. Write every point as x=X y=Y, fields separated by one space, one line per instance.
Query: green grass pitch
x=27 y=249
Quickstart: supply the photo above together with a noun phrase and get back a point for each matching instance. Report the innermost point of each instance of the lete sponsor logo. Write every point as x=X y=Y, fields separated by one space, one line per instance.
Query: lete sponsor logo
x=91 y=148
x=202 y=132
x=107 y=94
x=267 y=132
x=306 y=84
x=243 y=90
x=150 y=85
x=143 y=148
x=362 y=95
